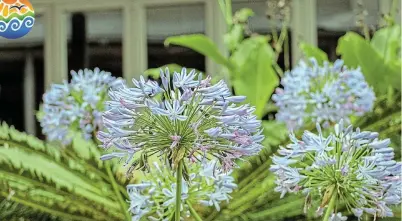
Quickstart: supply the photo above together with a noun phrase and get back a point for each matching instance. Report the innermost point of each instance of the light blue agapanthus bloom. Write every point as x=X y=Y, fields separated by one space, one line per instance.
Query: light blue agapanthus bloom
x=323 y=94
x=76 y=105
x=349 y=167
x=184 y=117
x=155 y=198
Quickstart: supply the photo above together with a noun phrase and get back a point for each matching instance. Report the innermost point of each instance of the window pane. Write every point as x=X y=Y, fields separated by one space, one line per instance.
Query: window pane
x=95 y=41
x=259 y=22
x=11 y=82
x=268 y=17
x=13 y=54
x=39 y=69
x=174 y=20
x=335 y=18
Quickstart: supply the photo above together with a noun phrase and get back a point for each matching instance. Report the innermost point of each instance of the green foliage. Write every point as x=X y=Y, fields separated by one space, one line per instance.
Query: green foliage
x=387 y=43
x=9 y=209
x=250 y=67
x=311 y=51
x=85 y=150
x=154 y=72
x=242 y=15
x=54 y=181
x=201 y=44
x=256 y=77
x=378 y=59
x=236 y=33
x=233 y=37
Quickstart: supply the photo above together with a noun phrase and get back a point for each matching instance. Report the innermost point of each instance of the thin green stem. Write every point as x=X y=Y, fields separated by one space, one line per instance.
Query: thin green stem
x=282 y=37
x=179 y=177
x=366 y=32
x=273 y=30
x=278 y=69
x=331 y=207
x=193 y=212
x=393 y=10
x=229 y=15
x=286 y=53
x=116 y=190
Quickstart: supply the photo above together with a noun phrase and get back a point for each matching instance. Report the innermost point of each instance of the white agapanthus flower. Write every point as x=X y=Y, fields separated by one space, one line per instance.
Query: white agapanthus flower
x=186 y=117
x=155 y=198
x=322 y=93
x=76 y=105
x=337 y=217
x=348 y=167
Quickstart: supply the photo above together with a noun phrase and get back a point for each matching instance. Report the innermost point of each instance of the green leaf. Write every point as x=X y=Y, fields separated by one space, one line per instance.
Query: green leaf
x=257 y=78
x=243 y=14
x=13 y=211
x=242 y=54
x=311 y=51
x=81 y=146
x=84 y=148
x=45 y=178
x=387 y=42
x=53 y=172
x=154 y=72
x=356 y=51
x=275 y=132
x=226 y=8
x=201 y=44
x=234 y=37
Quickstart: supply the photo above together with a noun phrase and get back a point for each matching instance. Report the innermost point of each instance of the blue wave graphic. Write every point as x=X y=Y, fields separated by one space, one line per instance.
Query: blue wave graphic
x=16 y=28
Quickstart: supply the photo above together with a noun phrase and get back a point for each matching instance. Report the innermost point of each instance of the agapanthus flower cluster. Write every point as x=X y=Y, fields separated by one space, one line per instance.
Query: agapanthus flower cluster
x=184 y=117
x=354 y=166
x=155 y=198
x=77 y=105
x=323 y=94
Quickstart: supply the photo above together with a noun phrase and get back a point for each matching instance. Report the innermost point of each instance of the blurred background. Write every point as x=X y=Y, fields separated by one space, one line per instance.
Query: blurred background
x=126 y=38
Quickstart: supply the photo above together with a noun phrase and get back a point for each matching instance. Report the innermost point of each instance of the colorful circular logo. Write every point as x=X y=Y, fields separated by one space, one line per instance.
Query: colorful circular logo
x=17 y=18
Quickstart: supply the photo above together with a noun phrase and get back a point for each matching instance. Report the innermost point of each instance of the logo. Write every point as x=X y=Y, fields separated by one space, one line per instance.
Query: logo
x=16 y=18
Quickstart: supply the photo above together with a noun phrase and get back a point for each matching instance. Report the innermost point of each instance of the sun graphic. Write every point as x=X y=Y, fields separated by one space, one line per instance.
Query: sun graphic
x=9 y=7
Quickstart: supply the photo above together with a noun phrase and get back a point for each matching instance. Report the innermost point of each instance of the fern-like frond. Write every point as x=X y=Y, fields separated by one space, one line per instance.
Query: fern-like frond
x=48 y=179
x=12 y=211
